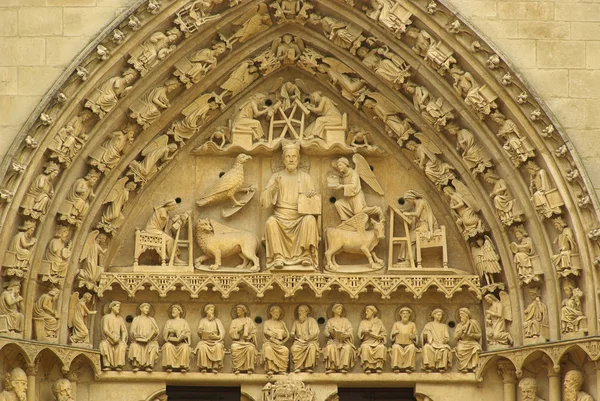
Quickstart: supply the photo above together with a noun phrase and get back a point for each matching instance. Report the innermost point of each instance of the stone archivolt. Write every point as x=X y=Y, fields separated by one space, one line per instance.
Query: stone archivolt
x=450 y=106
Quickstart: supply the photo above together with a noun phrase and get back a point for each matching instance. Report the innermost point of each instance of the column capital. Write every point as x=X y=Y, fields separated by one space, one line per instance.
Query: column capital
x=507 y=371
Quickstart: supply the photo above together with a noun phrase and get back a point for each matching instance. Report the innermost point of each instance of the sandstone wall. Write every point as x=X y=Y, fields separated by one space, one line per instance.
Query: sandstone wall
x=555 y=45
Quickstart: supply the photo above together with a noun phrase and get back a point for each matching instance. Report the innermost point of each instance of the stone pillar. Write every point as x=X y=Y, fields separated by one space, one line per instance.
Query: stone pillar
x=31 y=370
x=554 y=386
x=508 y=373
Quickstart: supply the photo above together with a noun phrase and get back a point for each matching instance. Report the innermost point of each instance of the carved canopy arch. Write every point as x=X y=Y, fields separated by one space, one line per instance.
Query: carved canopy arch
x=447 y=80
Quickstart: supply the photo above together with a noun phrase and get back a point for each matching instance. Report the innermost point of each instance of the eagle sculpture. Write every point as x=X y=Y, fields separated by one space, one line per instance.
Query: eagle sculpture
x=227 y=186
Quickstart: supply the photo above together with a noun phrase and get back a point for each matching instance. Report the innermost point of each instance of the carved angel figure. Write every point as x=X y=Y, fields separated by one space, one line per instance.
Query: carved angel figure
x=328 y=115
x=159 y=150
x=352 y=89
x=11 y=305
x=17 y=256
x=435 y=337
x=514 y=142
x=291 y=10
x=342 y=34
x=572 y=319
x=177 y=335
x=387 y=65
x=104 y=98
x=305 y=349
x=291 y=238
x=398 y=128
x=77 y=201
x=108 y=155
x=195 y=116
x=37 y=199
x=504 y=203
x=143 y=350
x=148 y=109
x=56 y=257
x=523 y=251
x=486 y=259
x=45 y=315
x=339 y=353
x=243 y=333
x=70 y=139
x=477 y=97
x=496 y=316
x=113 y=216
x=404 y=341
x=153 y=50
x=373 y=336
x=275 y=332
x=219 y=241
x=436 y=112
x=190 y=70
x=91 y=260
x=467 y=335
x=114 y=338
x=540 y=185
x=535 y=325
x=246 y=118
x=253 y=22
x=472 y=153
x=563 y=261
x=77 y=319
x=287 y=49
x=354 y=201
x=240 y=78
x=439 y=172
x=210 y=350
x=464 y=208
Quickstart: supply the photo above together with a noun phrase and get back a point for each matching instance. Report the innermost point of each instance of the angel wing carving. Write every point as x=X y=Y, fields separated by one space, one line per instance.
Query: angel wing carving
x=427 y=143
x=465 y=194
x=117 y=191
x=364 y=171
x=357 y=223
x=219 y=228
x=89 y=244
x=159 y=143
x=506 y=310
x=72 y=306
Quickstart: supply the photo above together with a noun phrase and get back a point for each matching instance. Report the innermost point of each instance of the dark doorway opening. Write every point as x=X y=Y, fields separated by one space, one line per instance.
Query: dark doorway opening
x=193 y=393
x=376 y=394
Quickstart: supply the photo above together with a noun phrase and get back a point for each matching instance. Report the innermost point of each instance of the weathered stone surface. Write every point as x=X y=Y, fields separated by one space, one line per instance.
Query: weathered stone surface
x=560 y=54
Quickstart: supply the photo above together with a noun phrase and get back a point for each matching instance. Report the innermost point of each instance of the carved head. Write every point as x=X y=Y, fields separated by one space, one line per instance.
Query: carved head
x=342 y=164
x=291 y=156
x=115 y=307
x=177 y=311
x=219 y=48
x=28 y=227
x=287 y=38
x=338 y=310
x=62 y=232
x=62 y=390
x=464 y=314
x=572 y=384
x=92 y=177
x=528 y=389
x=275 y=312
x=370 y=312
x=209 y=311
x=405 y=314
x=52 y=169
x=16 y=381
x=54 y=292
x=241 y=310
x=204 y=226
x=242 y=158
x=303 y=311
x=559 y=223
x=379 y=227
x=145 y=308
x=14 y=285
x=87 y=297
x=437 y=315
